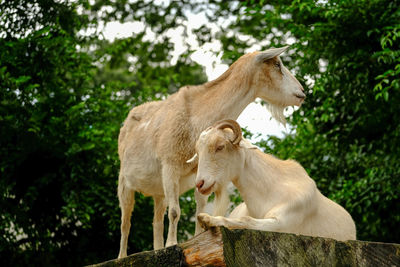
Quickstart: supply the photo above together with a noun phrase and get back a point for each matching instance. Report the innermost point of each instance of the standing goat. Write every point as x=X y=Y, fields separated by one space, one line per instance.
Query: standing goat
x=158 y=137
x=278 y=195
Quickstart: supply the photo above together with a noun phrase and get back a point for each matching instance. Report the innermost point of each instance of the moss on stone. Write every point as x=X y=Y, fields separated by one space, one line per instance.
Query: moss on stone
x=255 y=248
x=168 y=257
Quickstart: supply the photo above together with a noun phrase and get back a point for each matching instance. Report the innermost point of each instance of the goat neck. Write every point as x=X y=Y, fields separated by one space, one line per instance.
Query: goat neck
x=224 y=98
x=257 y=179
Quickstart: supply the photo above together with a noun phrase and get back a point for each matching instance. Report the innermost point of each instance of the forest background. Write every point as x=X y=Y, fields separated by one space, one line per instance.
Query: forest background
x=65 y=91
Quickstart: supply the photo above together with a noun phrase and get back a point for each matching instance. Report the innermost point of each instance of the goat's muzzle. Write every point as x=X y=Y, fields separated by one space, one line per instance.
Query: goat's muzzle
x=200 y=184
x=202 y=190
x=300 y=95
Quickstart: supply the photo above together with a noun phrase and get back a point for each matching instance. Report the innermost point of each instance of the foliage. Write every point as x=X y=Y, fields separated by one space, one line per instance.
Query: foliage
x=347 y=132
x=64 y=96
x=65 y=91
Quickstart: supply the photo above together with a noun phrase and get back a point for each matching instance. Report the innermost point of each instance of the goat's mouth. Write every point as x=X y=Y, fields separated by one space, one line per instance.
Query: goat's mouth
x=300 y=97
x=206 y=191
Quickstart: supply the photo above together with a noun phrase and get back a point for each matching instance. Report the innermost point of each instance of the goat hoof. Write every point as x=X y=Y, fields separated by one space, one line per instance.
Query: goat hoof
x=205 y=221
x=169 y=244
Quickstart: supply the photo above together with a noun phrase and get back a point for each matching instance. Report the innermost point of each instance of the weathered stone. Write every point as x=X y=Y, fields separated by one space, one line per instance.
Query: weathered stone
x=224 y=247
x=168 y=257
x=256 y=248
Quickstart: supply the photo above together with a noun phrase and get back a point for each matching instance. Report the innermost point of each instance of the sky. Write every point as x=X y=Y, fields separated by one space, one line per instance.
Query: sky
x=255 y=117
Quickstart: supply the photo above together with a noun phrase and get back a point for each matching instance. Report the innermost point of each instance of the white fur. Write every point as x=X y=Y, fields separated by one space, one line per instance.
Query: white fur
x=158 y=137
x=144 y=125
x=278 y=195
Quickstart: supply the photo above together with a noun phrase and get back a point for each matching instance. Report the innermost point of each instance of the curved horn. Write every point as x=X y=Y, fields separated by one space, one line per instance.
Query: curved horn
x=193 y=159
x=234 y=126
x=270 y=53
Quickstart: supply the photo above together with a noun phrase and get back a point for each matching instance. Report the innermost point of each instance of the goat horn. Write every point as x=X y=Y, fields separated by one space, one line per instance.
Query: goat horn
x=234 y=126
x=270 y=53
x=192 y=159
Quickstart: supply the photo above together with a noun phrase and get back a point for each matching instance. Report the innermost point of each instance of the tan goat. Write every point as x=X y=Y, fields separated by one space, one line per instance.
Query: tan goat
x=278 y=194
x=158 y=137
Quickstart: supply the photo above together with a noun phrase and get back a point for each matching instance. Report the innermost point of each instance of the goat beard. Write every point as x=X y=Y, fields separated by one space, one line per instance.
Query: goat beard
x=277 y=113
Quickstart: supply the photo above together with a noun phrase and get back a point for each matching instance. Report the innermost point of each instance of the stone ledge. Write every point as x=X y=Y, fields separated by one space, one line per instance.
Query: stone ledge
x=224 y=247
x=254 y=248
x=171 y=256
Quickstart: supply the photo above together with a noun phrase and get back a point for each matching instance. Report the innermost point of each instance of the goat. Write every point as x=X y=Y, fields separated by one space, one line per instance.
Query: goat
x=158 y=137
x=278 y=195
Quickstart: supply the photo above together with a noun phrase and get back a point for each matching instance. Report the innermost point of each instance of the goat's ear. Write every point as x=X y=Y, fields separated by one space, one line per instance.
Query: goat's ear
x=270 y=53
x=193 y=159
x=244 y=143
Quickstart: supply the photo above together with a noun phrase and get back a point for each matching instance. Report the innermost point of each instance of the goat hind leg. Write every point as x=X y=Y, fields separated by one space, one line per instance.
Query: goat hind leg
x=126 y=198
x=158 y=222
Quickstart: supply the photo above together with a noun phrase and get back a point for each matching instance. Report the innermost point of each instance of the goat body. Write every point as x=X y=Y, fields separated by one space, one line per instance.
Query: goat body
x=278 y=195
x=158 y=137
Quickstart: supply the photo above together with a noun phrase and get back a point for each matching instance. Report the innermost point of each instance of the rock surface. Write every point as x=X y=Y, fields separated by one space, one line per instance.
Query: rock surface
x=224 y=247
x=171 y=256
x=255 y=248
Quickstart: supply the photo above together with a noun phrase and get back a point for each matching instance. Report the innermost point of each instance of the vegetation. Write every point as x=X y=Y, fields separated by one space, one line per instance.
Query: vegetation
x=65 y=90
x=347 y=132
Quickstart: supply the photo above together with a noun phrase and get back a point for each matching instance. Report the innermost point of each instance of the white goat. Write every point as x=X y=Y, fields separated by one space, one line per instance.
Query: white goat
x=158 y=137
x=278 y=195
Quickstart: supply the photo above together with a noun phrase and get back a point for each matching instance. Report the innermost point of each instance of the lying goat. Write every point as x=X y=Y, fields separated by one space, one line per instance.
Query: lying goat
x=158 y=137
x=278 y=195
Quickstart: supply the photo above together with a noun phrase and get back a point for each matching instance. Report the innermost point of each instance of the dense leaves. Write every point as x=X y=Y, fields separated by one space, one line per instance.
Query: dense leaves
x=65 y=91
x=64 y=96
x=347 y=133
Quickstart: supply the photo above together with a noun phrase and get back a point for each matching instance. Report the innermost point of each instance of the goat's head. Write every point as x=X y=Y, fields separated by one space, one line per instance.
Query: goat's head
x=273 y=82
x=218 y=155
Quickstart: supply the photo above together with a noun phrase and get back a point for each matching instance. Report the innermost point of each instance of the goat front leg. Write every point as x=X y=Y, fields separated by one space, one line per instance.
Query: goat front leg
x=158 y=221
x=201 y=202
x=221 y=204
x=278 y=218
x=246 y=222
x=170 y=179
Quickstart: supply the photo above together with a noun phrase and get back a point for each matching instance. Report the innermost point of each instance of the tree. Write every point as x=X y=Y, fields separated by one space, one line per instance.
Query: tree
x=347 y=133
x=64 y=96
x=65 y=91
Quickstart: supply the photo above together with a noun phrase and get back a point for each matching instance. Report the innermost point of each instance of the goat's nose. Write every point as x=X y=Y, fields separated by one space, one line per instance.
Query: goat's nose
x=200 y=184
x=301 y=95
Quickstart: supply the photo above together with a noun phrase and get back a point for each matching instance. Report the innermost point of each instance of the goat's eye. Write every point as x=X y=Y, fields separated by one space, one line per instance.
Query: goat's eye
x=278 y=65
x=219 y=148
